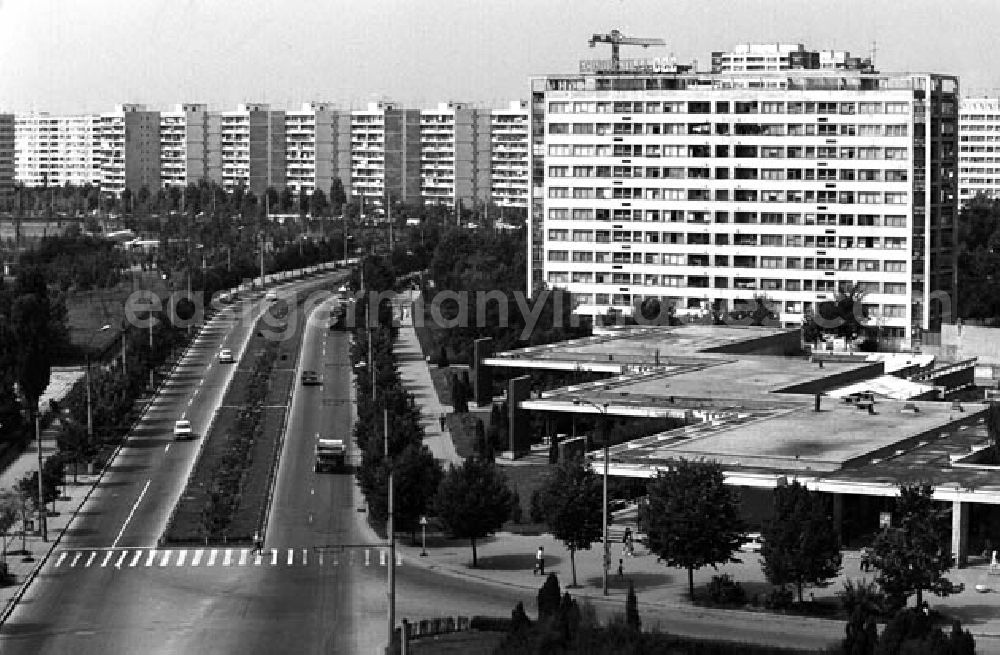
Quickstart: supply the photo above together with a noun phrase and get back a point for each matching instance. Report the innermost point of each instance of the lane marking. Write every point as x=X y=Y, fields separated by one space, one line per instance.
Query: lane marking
x=197 y=557
x=321 y=558
x=136 y=558
x=243 y=557
x=274 y=557
x=382 y=557
x=190 y=401
x=336 y=559
x=76 y=559
x=310 y=517
x=291 y=556
x=107 y=557
x=211 y=557
x=399 y=559
x=91 y=558
x=181 y=556
x=121 y=558
x=305 y=556
x=166 y=448
x=62 y=556
x=166 y=558
x=258 y=559
x=312 y=492
x=114 y=544
x=152 y=556
x=228 y=559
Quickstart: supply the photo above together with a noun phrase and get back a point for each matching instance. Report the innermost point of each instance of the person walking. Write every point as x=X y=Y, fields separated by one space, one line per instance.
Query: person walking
x=621 y=564
x=441 y=421
x=539 y=561
x=258 y=543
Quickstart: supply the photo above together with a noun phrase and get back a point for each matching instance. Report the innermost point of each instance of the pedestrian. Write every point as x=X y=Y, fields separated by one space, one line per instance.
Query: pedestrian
x=539 y=561
x=441 y=421
x=258 y=543
x=621 y=565
x=630 y=546
x=627 y=535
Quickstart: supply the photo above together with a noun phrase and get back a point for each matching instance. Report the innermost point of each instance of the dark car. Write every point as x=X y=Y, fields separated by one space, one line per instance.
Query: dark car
x=310 y=378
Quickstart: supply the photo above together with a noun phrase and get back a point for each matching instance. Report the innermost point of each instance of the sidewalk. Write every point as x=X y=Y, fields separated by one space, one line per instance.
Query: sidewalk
x=416 y=377
x=508 y=559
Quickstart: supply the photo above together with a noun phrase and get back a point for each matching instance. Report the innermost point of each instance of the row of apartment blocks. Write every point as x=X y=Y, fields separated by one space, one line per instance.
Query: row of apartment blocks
x=455 y=152
x=791 y=179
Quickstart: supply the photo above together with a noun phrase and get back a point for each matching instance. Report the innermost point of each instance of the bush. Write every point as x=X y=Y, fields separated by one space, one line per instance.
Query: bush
x=491 y=623
x=778 y=599
x=863 y=594
x=869 y=345
x=549 y=597
x=725 y=591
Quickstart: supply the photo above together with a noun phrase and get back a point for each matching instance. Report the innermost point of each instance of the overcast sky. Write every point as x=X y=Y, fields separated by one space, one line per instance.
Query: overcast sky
x=86 y=55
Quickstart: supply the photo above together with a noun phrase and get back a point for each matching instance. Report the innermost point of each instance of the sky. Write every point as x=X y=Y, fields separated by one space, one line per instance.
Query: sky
x=76 y=56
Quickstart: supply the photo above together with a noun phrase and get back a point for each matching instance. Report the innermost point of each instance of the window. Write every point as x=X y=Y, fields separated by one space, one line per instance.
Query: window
x=583 y=128
x=556 y=277
x=895 y=176
x=559 y=192
x=558 y=255
x=770 y=262
x=896 y=153
x=897 y=107
x=869 y=107
x=894 y=311
x=869 y=197
x=895 y=243
x=582 y=193
x=559 y=150
x=868 y=265
x=896 y=288
x=895 y=198
x=558 y=171
x=558 y=107
x=895 y=266
x=558 y=214
x=583 y=214
x=583 y=235
x=558 y=128
x=895 y=130
x=558 y=235
x=771 y=240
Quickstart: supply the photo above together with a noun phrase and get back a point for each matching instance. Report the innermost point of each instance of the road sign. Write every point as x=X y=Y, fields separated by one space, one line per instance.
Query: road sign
x=423 y=520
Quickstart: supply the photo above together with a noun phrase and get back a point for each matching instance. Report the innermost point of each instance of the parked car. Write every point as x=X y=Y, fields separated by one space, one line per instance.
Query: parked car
x=226 y=356
x=271 y=296
x=310 y=378
x=753 y=543
x=182 y=429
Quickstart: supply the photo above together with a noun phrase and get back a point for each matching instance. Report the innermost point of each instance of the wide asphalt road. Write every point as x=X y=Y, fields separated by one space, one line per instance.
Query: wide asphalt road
x=103 y=591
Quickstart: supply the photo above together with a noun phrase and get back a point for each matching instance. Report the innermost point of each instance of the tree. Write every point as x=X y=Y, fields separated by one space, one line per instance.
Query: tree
x=691 y=518
x=862 y=633
x=548 y=597
x=632 y=619
x=911 y=554
x=416 y=476
x=571 y=500
x=800 y=543
x=337 y=196
x=28 y=487
x=473 y=501
x=844 y=316
x=10 y=508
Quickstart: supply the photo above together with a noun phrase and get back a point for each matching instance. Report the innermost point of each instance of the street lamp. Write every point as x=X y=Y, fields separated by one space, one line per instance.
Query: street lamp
x=90 y=402
x=603 y=409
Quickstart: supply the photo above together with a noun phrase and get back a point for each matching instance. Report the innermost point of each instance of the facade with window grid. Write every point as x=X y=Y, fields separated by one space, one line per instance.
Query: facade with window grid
x=979 y=148
x=704 y=189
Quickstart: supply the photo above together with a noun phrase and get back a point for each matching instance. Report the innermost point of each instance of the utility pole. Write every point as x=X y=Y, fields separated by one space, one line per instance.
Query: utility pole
x=392 y=539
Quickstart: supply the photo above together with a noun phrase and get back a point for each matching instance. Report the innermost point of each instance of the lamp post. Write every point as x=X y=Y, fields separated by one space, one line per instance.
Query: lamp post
x=90 y=401
x=603 y=409
x=423 y=536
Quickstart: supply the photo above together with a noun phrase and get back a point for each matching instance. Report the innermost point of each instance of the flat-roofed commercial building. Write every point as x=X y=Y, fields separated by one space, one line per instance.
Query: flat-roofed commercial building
x=707 y=189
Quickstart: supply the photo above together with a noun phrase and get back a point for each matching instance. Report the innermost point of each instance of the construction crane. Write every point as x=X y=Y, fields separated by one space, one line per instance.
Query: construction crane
x=617 y=39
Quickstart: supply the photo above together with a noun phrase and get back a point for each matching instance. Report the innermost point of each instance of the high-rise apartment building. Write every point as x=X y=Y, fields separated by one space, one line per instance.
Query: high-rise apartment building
x=129 y=149
x=317 y=148
x=455 y=154
x=509 y=155
x=772 y=57
x=979 y=148
x=705 y=189
x=184 y=145
x=57 y=150
x=6 y=159
x=385 y=154
x=253 y=148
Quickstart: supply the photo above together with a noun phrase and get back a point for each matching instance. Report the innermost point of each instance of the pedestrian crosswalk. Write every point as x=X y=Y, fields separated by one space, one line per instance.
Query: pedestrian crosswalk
x=130 y=558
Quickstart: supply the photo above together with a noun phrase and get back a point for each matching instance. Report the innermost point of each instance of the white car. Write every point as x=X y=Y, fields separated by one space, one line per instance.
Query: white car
x=226 y=356
x=271 y=296
x=753 y=543
x=182 y=429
